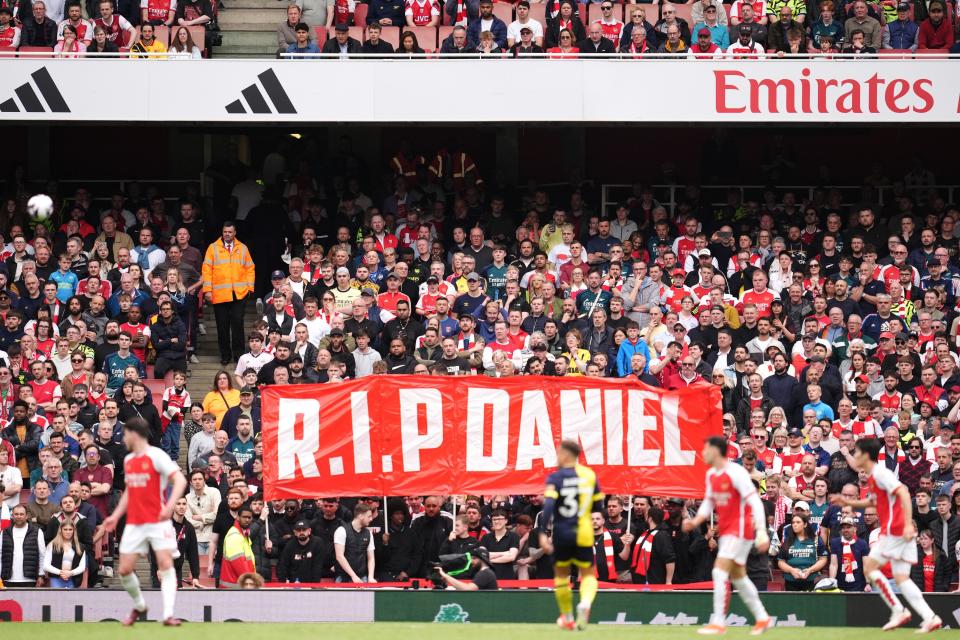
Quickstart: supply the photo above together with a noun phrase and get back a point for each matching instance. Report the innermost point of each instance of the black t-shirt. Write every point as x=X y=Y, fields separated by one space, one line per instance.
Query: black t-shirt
x=510 y=540
x=485 y=579
x=221 y=525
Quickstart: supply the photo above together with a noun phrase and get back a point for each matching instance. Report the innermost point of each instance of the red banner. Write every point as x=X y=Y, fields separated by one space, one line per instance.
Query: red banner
x=417 y=435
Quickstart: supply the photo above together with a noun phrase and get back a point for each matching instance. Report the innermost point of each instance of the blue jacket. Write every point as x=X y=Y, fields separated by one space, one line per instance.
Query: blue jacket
x=718 y=34
x=113 y=304
x=498 y=29
x=626 y=353
x=903 y=35
x=390 y=9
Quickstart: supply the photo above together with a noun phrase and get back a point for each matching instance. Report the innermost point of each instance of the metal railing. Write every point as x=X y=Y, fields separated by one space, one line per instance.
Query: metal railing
x=881 y=56
x=668 y=195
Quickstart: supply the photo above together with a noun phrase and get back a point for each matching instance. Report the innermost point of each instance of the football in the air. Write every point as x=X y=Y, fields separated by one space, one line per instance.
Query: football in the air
x=40 y=207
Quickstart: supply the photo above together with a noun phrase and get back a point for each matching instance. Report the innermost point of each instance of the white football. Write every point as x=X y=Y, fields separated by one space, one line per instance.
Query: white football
x=40 y=207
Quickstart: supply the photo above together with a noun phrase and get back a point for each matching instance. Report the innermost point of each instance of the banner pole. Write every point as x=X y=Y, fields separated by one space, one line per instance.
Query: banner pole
x=629 y=514
x=454 y=498
x=385 y=530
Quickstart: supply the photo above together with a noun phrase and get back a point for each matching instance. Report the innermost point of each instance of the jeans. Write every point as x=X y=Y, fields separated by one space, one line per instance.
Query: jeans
x=170 y=442
x=56 y=582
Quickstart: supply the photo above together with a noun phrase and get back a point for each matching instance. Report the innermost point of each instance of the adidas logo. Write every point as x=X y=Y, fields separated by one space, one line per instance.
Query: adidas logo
x=255 y=100
x=31 y=102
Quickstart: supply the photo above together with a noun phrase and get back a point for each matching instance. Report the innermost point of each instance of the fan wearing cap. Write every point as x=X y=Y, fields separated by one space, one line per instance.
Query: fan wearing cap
x=524 y=21
x=305 y=557
x=480 y=577
x=901 y=33
x=674 y=294
x=846 y=557
x=716 y=38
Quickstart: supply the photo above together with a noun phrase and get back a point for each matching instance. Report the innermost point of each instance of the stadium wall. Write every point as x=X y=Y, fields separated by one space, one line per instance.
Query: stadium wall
x=611 y=608
x=529 y=91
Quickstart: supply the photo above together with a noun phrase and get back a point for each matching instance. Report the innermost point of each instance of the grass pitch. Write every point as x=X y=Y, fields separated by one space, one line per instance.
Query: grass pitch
x=403 y=631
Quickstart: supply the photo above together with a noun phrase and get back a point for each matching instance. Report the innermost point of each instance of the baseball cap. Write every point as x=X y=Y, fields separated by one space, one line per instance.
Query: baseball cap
x=954 y=389
x=746 y=29
x=703 y=32
x=481 y=552
x=367 y=291
x=278 y=275
x=809 y=336
x=473 y=275
x=341 y=27
x=246 y=389
x=301 y=524
x=278 y=294
x=336 y=332
x=886 y=335
x=931 y=261
x=678 y=272
x=704 y=253
x=862 y=378
x=392 y=276
x=433 y=280
x=795 y=433
x=903 y=6
x=527 y=29
x=848 y=521
x=343 y=271
x=801 y=504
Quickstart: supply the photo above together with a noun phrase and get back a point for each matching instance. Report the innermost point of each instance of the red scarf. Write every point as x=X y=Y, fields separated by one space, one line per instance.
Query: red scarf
x=609 y=555
x=643 y=553
x=849 y=560
x=461 y=18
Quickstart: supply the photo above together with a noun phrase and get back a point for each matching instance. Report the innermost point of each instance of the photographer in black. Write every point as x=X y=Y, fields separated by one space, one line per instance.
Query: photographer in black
x=473 y=568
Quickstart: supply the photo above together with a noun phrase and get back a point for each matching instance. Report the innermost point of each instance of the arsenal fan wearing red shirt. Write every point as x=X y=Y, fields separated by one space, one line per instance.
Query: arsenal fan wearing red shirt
x=157 y=12
x=115 y=27
x=896 y=543
x=686 y=244
x=148 y=472
x=759 y=296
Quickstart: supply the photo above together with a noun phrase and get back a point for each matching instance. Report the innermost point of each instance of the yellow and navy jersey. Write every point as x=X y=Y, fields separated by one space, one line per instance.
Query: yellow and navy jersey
x=572 y=494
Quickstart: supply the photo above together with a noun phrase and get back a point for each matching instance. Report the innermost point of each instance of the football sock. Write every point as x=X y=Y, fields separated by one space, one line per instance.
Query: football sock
x=721 y=596
x=131 y=583
x=564 y=595
x=913 y=596
x=882 y=585
x=168 y=590
x=588 y=589
x=748 y=593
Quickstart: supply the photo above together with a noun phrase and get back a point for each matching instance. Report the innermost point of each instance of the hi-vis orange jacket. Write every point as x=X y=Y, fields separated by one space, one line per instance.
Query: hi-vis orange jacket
x=227 y=274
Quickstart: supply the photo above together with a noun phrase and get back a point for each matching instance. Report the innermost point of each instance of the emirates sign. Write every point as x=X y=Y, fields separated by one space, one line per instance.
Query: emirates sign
x=407 y=435
x=738 y=93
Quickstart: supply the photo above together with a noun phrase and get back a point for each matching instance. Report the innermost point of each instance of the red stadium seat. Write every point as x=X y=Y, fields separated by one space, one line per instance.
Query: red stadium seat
x=538 y=12
x=360 y=15
x=8 y=52
x=683 y=12
x=582 y=11
x=426 y=37
x=442 y=34
x=36 y=50
x=504 y=11
x=391 y=35
x=162 y=33
x=321 y=33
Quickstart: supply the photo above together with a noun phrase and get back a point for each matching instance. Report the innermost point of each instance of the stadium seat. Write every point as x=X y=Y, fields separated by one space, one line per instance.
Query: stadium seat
x=157 y=388
x=442 y=34
x=8 y=52
x=360 y=15
x=582 y=11
x=504 y=11
x=426 y=37
x=391 y=35
x=683 y=12
x=321 y=33
x=162 y=33
x=538 y=12
x=36 y=50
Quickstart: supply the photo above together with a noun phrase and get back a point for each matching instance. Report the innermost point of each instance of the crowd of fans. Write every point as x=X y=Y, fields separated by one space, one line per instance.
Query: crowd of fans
x=741 y=29
x=822 y=321
x=181 y=30
x=707 y=28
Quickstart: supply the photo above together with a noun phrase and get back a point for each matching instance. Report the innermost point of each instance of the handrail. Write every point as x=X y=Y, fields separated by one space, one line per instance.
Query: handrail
x=881 y=56
x=608 y=203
